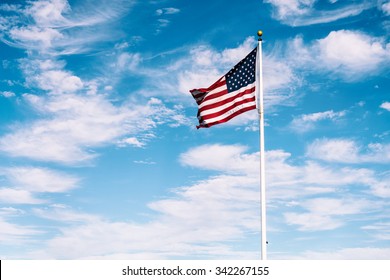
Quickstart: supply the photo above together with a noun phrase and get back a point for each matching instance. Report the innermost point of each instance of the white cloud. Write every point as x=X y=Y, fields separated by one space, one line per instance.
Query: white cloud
x=381 y=230
x=9 y=7
x=311 y=221
x=385 y=105
x=381 y=187
x=367 y=54
x=178 y=229
x=42 y=38
x=326 y=213
x=284 y=180
x=64 y=214
x=199 y=219
x=216 y=157
x=386 y=8
x=11 y=211
x=59 y=81
x=16 y=234
x=127 y=61
x=28 y=182
x=338 y=150
x=47 y=26
x=7 y=94
x=74 y=124
x=334 y=55
x=331 y=206
x=288 y=8
x=280 y=82
x=163 y=22
x=307 y=122
x=304 y=12
x=288 y=181
x=348 y=151
x=133 y=141
x=147 y=162
x=167 y=11
x=362 y=253
x=49 y=13
x=71 y=124
x=18 y=196
x=35 y=179
x=49 y=75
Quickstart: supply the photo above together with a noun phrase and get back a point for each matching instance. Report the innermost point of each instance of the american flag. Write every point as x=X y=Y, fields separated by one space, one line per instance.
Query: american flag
x=230 y=96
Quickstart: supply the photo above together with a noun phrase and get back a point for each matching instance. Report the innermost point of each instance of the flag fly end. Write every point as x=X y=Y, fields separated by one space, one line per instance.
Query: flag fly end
x=230 y=96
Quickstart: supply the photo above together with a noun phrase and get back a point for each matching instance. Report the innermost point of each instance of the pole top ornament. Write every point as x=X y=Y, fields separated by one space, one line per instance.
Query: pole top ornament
x=260 y=33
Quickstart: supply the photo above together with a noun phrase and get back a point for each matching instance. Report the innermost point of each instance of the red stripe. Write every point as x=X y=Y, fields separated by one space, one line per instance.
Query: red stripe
x=243 y=110
x=220 y=103
x=219 y=113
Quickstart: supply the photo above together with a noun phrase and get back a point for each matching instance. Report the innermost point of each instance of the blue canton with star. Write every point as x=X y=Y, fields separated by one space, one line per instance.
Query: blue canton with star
x=243 y=73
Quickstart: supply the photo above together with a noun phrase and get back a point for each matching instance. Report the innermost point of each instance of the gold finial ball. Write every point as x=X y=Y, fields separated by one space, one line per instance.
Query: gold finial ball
x=259 y=33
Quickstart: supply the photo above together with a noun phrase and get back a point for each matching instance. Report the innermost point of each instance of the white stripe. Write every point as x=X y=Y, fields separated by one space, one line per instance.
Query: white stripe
x=226 y=105
x=225 y=96
x=227 y=114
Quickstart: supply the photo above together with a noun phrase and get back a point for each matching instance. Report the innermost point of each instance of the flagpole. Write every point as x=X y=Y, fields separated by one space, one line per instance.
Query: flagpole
x=262 y=156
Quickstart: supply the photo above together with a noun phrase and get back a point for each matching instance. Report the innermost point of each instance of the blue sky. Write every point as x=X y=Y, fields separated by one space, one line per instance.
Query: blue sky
x=100 y=157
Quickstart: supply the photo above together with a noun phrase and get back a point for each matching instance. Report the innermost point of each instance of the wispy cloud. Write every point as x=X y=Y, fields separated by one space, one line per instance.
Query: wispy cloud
x=76 y=115
x=73 y=124
x=18 y=196
x=36 y=179
x=348 y=151
x=280 y=82
x=49 y=27
x=7 y=94
x=381 y=230
x=16 y=234
x=239 y=161
x=167 y=11
x=358 y=253
x=178 y=227
x=326 y=213
x=305 y=12
x=228 y=198
x=306 y=122
x=88 y=91
x=164 y=22
x=25 y=184
x=49 y=75
x=386 y=106
x=386 y=8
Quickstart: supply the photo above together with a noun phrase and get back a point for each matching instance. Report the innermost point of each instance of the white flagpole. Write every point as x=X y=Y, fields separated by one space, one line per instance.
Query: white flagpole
x=262 y=156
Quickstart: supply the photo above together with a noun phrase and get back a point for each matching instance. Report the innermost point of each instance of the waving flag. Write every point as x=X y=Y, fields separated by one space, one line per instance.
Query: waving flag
x=230 y=96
